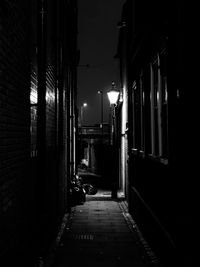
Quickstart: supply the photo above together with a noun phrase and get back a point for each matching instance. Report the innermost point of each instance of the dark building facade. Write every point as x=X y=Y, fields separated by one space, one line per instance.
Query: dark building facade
x=152 y=53
x=37 y=123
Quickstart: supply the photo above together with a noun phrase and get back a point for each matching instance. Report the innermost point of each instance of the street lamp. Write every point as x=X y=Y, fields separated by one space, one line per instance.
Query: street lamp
x=113 y=96
x=81 y=118
x=84 y=105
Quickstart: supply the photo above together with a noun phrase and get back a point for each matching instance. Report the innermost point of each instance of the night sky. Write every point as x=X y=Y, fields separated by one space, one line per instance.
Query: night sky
x=97 y=41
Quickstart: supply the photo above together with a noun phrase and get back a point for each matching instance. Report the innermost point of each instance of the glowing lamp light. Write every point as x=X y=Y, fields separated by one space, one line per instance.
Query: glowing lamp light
x=113 y=96
x=84 y=104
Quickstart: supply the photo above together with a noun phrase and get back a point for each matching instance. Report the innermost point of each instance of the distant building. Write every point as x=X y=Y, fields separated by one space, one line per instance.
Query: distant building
x=94 y=147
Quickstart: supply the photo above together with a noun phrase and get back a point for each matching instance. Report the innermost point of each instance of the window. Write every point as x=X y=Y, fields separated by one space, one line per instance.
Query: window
x=150 y=108
x=142 y=112
x=33 y=111
x=134 y=87
x=159 y=106
x=154 y=98
x=164 y=104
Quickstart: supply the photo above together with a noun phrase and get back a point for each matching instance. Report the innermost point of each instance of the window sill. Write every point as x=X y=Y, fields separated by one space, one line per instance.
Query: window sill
x=134 y=151
x=141 y=154
x=158 y=159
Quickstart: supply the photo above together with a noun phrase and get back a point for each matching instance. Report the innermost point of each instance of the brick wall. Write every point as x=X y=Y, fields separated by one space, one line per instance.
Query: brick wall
x=33 y=188
x=14 y=121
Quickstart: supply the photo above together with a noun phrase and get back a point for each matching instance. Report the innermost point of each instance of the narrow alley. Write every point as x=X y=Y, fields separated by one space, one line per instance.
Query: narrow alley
x=98 y=133
x=101 y=232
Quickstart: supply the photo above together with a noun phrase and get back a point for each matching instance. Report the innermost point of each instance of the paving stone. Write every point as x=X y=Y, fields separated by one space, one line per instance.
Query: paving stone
x=99 y=235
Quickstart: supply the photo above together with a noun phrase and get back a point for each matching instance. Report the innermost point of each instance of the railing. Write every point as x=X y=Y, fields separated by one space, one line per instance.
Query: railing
x=94 y=130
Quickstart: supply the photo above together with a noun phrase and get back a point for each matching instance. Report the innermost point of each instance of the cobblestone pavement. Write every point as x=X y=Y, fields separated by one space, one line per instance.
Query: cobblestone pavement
x=100 y=233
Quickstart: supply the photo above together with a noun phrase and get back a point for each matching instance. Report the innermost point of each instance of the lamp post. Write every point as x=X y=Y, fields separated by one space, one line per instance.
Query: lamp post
x=100 y=92
x=113 y=96
x=81 y=118
x=84 y=105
